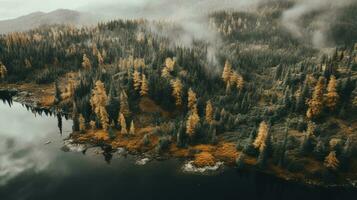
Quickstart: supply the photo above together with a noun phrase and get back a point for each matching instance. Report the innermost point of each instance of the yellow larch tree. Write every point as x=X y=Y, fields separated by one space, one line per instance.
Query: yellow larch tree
x=144 y=89
x=331 y=161
x=177 y=91
x=136 y=80
x=192 y=100
x=98 y=102
x=260 y=140
x=132 y=128
x=316 y=102
x=122 y=123
x=100 y=58
x=82 y=125
x=3 y=71
x=332 y=95
x=209 y=112
x=170 y=64
x=227 y=72
x=192 y=121
x=86 y=64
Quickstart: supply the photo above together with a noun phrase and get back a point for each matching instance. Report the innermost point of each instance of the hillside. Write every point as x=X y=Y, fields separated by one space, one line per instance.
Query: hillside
x=37 y=19
x=240 y=88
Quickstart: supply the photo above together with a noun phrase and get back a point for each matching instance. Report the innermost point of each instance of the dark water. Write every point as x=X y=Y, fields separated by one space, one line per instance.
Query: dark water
x=30 y=169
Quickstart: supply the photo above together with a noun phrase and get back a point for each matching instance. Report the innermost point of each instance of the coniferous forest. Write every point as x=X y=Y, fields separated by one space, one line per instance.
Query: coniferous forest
x=257 y=97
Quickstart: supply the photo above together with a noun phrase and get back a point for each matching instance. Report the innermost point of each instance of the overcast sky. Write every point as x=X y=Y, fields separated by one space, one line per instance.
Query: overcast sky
x=15 y=8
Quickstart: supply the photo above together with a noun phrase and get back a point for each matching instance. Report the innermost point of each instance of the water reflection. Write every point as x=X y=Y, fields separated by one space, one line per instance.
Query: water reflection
x=32 y=170
x=22 y=138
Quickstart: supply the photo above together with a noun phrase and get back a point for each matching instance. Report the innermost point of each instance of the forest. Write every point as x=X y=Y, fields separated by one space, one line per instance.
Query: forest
x=257 y=97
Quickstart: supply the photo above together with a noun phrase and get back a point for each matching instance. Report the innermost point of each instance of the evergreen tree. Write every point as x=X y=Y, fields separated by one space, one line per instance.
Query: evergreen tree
x=316 y=103
x=144 y=86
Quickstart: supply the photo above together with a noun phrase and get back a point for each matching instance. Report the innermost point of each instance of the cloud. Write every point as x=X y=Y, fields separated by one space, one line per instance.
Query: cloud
x=323 y=13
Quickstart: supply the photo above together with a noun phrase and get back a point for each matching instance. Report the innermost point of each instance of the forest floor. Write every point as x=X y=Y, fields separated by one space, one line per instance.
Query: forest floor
x=32 y=94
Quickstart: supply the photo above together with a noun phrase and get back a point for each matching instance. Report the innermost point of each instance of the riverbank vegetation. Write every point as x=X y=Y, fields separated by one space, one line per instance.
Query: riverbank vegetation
x=264 y=99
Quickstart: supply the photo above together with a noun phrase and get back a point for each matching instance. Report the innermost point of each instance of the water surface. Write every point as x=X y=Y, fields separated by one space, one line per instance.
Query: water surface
x=31 y=169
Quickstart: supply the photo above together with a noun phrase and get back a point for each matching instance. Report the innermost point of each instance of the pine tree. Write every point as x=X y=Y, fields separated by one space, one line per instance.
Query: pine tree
x=144 y=86
x=122 y=123
x=86 y=64
x=331 y=161
x=332 y=95
x=192 y=100
x=177 y=91
x=124 y=105
x=316 y=103
x=209 y=112
x=132 y=128
x=260 y=140
x=58 y=97
x=137 y=80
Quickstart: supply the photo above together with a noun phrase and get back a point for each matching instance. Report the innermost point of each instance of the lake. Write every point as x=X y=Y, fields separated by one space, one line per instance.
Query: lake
x=33 y=166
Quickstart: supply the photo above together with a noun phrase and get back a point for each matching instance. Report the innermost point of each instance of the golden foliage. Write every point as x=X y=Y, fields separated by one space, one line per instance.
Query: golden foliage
x=169 y=64
x=227 y=152
x=86 y=64
x=227 y=71
x=3 y=71
x=177 y=91
x=144 y=89
x=192 y=100
x=82 y=125
x=100 y=58
x=98 y=102
x=192 y=122
x=132 y=128
x=332 y=95
x=136 y=80
x=122 y=123
x=316 y=103
x=209 y=112
x=260 y=140
x=331 y=161
x=204 y=159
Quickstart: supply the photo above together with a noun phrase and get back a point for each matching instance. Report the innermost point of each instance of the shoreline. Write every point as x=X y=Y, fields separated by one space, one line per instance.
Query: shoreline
x=33 y=100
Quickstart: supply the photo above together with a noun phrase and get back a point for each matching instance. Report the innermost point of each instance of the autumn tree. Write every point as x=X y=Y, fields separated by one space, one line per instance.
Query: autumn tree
x=177 y=91
x=192 y=122
x=227 y=71
x=98 y=102
x=168 y=68
x=331 y=161
x=86 y=64
x=144 y=89
x=316 y=102
x=122 y=123
x=100 y=58
x=82 y=125
x=192 y=100
x=260 y=140
x=332 y=95
x=3 y=71
x=209 y=112
x=136 y=80
x=132 y=128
